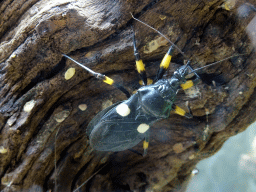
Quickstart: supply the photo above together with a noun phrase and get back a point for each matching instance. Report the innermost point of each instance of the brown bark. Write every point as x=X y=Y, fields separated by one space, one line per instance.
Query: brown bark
x=99 y=34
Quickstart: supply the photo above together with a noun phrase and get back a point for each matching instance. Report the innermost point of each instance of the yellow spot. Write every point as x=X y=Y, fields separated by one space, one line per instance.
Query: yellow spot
x=187 y=85
x=149 y=81
x=108 y=80
x=140 y=66
x=178 y=148
x=179 y=111
x=29 y=106
x=142 y=128
x=82 y=107
x=145 y=144
x=61 y=116
x=166 y=61
x=123 y=109
x=70 y=73
x=3 y=150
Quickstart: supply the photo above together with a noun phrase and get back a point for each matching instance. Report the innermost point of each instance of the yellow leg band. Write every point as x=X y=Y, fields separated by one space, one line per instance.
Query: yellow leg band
x=108 y=80
x=187 y=85
x=145 y=144
x=179 y=111
x=166 y=61
x=140 y=66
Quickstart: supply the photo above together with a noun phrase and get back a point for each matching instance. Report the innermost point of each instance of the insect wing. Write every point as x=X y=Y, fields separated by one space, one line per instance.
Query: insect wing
x=115 y=135
x=98 y=118
x=116 y=128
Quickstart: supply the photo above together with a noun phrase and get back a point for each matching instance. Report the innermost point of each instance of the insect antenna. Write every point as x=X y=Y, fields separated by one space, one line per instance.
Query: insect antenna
x=161 y=35
x=97 y=75
x=193 y=70
x=211 y=64
x=90 y=177
x=102 y=77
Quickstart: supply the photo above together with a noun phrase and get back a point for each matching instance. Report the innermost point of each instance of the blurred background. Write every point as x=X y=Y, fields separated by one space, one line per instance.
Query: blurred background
x=232 y=169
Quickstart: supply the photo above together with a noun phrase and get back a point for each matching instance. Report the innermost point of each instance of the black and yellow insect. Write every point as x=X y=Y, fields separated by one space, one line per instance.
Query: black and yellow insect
x=124 y=124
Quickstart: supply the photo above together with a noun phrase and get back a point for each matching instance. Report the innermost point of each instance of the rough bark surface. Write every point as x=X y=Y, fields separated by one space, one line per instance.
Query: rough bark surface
x=41 y=120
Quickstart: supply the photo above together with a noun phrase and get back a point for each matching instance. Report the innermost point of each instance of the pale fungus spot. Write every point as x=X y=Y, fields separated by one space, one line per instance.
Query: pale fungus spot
x=106 y=104
x=123 y=109
x=3 y=150
x=82 y=107
x=228 y=5
x=193 y=92
x=162 y=17
x=155 y=44
x=178 y=148
x=13 y=56
x=194 y=172
x=142 y=128
x=12 y=120
x=29 y=106
x=191 y=157
x=70 y=73
x=61 y=116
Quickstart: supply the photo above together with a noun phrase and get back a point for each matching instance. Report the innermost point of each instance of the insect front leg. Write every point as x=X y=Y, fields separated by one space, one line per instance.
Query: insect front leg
x=140 y=67
x=165 y=63
x=190 y=83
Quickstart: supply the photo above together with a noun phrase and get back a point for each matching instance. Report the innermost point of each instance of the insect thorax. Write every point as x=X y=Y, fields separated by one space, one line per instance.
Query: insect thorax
x=168 y=88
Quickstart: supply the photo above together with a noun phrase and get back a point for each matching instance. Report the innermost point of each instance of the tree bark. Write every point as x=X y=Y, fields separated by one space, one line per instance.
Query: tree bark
x=43 y=118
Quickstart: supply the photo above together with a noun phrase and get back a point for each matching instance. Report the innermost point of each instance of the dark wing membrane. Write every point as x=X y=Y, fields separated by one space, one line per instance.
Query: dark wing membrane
x=116 y=135
x=98 y=118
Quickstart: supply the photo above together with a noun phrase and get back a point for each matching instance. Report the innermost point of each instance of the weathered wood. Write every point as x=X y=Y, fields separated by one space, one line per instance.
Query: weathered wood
x=40 y=118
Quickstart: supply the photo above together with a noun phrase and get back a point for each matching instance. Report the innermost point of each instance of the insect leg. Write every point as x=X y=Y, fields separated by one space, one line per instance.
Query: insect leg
x=206 y=130
x=181 y=112
x=190 y=83
x=165 y=63
x=102 y=77
x=145 y=144
x=139 y=63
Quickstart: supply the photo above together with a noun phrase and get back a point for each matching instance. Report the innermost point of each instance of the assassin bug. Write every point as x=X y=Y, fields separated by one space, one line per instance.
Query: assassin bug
x=124 y=124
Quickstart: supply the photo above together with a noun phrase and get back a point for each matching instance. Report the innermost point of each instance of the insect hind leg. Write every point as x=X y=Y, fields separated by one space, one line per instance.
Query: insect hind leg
x=145 y=146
